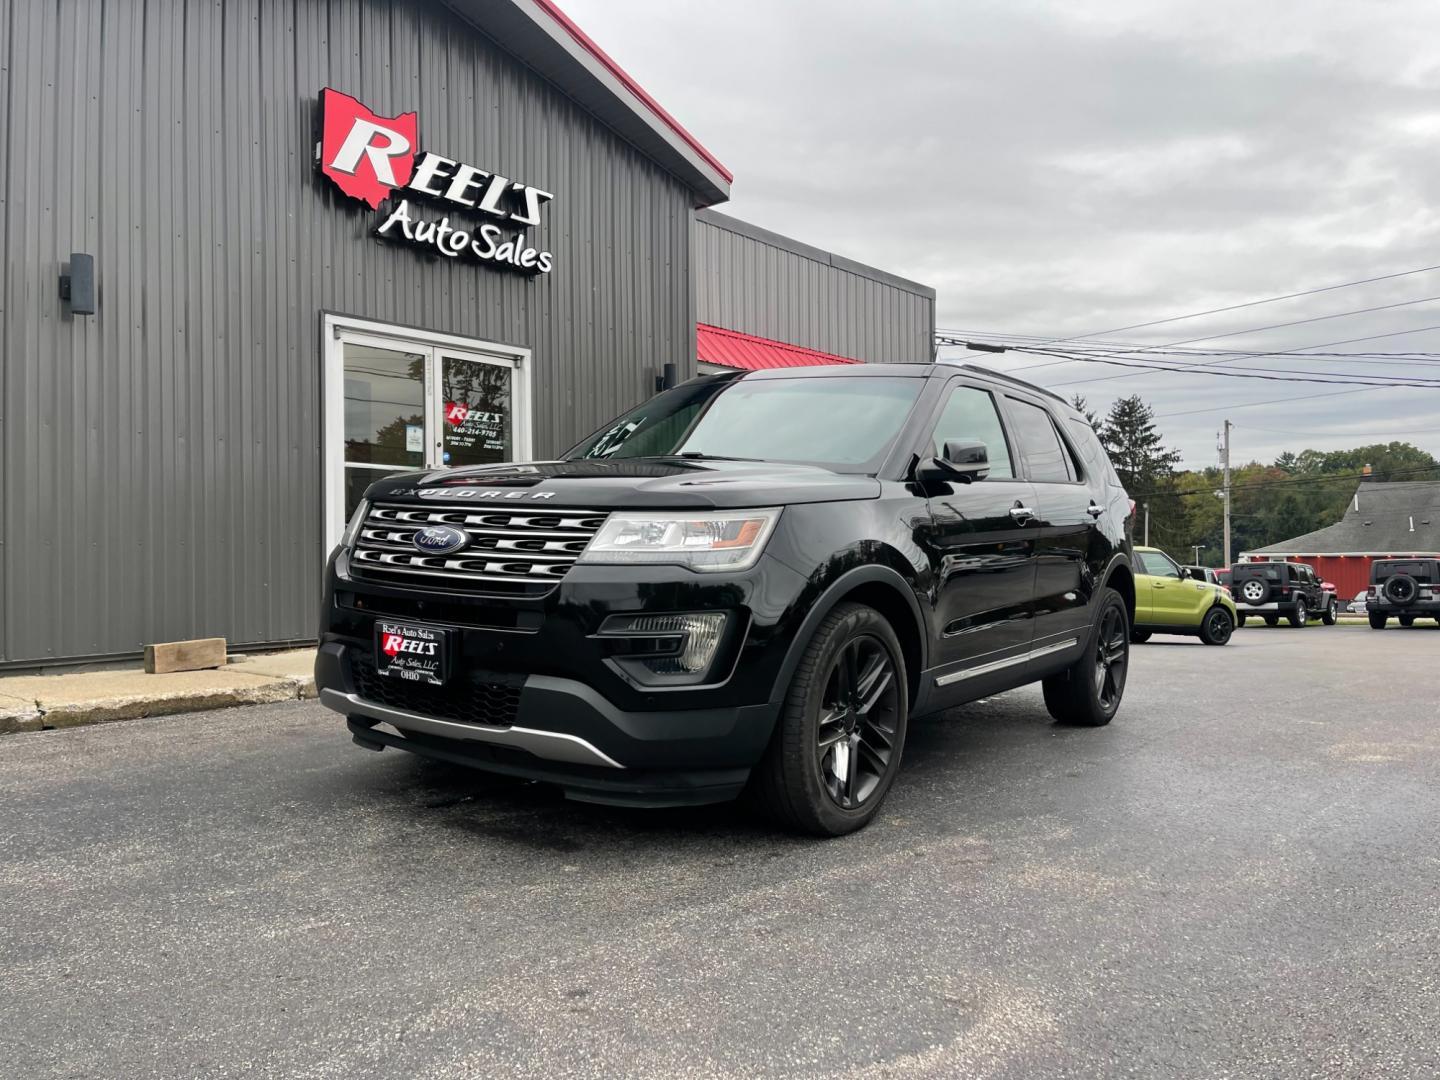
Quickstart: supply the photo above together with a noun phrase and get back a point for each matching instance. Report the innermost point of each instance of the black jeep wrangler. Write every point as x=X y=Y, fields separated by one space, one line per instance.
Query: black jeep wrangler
x=751 y=581
x=1274 y=589
x=1404 y=589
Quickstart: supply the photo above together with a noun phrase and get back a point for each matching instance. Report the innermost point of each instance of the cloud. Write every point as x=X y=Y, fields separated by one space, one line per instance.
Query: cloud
x=1062 y=168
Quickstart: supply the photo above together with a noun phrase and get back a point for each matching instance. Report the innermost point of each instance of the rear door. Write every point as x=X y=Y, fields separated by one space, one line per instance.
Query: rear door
x=980 y=543
x=1063 y=525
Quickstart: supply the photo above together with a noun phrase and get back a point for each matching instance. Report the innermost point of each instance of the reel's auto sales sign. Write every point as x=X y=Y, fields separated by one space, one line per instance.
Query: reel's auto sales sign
x=372 y=157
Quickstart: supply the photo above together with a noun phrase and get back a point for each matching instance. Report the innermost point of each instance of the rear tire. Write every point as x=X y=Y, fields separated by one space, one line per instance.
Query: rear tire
x=1217 y=626
x=1301 y=614
x=801 y=782
x=1088 y=693
x=1377 y=620
x=1407 y=620
x=1272 y=620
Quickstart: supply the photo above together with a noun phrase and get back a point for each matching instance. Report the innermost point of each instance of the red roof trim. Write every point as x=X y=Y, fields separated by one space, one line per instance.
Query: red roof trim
x=730 y=348
x=587 y=43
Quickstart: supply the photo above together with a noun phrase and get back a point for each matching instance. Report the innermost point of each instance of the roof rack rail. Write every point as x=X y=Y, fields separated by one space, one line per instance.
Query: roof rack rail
x=993 y=374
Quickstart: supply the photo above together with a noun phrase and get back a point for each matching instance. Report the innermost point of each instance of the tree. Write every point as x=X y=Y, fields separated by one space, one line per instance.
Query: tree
x=1136 y=449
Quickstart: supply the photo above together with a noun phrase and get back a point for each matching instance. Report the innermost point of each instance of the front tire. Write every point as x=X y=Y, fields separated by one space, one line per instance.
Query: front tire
x=1272 y=620
x=837 y=745
x=1139 y=637
x=1377 y=620
x=1332 y=614
x=1407 y=620
x=1217 y=627
x=1088 y=693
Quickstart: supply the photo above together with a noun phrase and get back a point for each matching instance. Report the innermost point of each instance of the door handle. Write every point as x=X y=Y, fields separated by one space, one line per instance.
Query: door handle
x=1021 y=514
x=1093 y=510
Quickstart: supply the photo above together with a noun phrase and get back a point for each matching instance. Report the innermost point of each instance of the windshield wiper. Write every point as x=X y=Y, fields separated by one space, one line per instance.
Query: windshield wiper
x=696 y=455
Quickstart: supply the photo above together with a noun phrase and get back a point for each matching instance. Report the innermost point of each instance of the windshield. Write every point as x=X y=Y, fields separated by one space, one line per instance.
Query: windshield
x=845 y=423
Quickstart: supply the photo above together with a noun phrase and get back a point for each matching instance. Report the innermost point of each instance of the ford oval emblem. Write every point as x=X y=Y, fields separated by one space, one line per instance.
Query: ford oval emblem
x=440 y=539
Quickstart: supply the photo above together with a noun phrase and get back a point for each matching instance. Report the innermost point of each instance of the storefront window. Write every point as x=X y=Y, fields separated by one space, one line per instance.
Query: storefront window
x=384 y=407
x=476 y=417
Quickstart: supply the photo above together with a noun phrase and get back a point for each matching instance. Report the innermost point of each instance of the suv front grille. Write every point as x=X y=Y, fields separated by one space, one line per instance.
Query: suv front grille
x=513 y=551
x=490 y=698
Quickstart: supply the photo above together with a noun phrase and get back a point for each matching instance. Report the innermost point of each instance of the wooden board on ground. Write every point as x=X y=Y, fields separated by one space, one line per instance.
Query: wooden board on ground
x=185 y=655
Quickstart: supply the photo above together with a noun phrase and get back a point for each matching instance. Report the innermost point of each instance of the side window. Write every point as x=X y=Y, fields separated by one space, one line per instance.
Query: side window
x=1157 y=565
x=970 y=415
x=1049 y=459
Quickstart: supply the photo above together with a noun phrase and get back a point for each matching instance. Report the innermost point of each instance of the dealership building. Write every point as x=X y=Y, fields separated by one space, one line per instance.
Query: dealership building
x=257 y=255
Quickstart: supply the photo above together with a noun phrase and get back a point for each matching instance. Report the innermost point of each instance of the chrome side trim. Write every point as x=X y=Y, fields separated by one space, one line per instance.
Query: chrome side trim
x=1009 y=661
x=551 y=745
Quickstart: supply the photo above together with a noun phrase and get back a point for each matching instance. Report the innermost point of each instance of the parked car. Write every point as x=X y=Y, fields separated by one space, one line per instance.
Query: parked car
x=748 y=583
x=1403 y=589
x=1358 y=606
x=1271 y=590
x=1170 y=599
x=1201 y=573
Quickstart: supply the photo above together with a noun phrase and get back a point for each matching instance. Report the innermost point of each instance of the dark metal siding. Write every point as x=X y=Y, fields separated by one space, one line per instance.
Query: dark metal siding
x=161 y=460
x=757 y=282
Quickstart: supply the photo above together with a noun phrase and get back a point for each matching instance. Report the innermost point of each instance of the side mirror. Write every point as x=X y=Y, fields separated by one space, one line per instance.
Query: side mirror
x=960 y=462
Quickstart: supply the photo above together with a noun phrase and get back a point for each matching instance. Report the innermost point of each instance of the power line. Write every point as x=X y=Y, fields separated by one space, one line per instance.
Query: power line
x=1271 y=401
x=1343 y=434
x=1325 y=378
x=1247 y=304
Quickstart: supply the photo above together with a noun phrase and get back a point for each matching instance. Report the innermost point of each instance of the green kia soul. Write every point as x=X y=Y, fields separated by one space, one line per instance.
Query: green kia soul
x=1169 y=602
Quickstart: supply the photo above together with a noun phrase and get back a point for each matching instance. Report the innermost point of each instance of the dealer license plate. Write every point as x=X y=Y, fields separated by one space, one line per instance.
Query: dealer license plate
x=410 y=652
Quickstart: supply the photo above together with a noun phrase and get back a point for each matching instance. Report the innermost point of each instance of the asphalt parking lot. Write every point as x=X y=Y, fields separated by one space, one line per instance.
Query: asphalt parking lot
x=1237 y=878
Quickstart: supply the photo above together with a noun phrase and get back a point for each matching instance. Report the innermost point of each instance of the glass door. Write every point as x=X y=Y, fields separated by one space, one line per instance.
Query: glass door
x=405 y=400
x=477 y=410
x=385 y=415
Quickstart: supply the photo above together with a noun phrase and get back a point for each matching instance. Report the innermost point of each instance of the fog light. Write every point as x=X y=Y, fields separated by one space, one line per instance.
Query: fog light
x=676 y=648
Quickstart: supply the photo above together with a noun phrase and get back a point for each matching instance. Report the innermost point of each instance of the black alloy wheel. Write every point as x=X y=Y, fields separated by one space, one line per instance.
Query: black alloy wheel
x=1401 y=589
x=838 y=741
x=858 y=723
x=1217 y=626
x=1088 y=692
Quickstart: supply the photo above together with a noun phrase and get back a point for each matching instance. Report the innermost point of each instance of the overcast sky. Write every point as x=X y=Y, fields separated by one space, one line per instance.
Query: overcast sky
x=1063 y=168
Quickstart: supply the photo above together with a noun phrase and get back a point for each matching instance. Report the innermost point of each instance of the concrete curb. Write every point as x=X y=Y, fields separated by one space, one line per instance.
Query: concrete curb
x=108 y=710
x=39 y=703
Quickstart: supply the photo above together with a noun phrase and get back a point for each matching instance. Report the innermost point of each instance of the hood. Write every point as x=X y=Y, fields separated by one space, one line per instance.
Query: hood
x=676 y=483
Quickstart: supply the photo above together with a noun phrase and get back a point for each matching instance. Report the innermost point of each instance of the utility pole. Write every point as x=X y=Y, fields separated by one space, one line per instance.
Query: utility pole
x=1225 y=462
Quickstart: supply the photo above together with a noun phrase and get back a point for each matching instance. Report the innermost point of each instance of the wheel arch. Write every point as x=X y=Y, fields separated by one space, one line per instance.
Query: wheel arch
x=1121 y=577
x=876 y=586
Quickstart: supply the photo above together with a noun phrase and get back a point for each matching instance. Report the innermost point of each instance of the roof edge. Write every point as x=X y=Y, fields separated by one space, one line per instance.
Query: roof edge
x=546 y=40
x=809 y=251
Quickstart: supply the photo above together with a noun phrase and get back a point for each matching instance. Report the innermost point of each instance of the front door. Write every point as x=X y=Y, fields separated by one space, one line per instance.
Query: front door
x=399 y=400
x=981 y=543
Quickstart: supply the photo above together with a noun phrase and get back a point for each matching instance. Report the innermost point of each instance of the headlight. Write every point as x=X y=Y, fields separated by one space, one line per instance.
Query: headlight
x=352 y=530
x=723 y=540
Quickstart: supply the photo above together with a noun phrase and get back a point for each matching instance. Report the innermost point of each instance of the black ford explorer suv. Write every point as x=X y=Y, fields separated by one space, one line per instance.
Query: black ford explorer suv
x=1272 y=590
x=751 y=581
x=1403 y=589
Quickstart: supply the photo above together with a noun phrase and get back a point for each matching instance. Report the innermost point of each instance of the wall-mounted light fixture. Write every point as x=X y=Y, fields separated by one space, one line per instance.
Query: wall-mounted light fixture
x=77 y=283
x=670 y=377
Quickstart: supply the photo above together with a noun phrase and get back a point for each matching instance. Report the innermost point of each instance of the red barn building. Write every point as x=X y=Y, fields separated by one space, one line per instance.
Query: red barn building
x=1382 y=521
